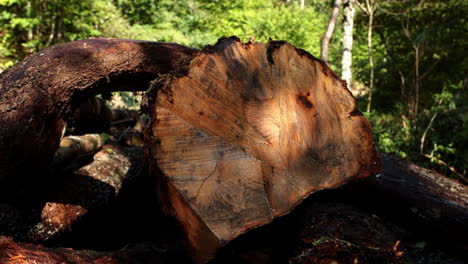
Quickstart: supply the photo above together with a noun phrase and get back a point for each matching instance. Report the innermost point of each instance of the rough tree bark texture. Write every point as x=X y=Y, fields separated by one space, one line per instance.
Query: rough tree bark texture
x=423 y=198
x=249 y=131
x=37 y=95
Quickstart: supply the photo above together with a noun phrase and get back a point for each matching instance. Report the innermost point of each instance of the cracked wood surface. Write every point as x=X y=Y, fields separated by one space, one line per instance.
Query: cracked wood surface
x=246 y=133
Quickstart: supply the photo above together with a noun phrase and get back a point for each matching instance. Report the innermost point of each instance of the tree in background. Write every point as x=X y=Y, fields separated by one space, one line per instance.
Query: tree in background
x=325 y=41
x=347 y=60
x=369 y=9
x=31 y=25
x=419 y=58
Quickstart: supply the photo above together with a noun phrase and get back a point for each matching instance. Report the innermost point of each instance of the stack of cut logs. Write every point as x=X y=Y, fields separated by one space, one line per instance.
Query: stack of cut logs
x=229 y=139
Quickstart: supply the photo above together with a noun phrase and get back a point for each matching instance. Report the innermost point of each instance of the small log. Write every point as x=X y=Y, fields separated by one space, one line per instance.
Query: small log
x=38 y=95
x=12 y=252
x=248 y=132
x=425 y=200
x=71 y=196
x=74 y=147
x=92 y=187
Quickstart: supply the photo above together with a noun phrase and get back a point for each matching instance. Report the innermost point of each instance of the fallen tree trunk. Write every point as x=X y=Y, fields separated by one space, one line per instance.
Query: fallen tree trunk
x=38 y=95
x=248 y=132
x=421 y=198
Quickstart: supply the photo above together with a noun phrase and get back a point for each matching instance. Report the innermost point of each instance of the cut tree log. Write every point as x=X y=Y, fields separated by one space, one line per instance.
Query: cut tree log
x=248 y=132
x=423 y=199
x=38 y=95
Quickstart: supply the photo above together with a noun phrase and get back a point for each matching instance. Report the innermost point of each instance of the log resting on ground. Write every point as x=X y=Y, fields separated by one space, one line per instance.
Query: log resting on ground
x=248 y=132
x=38 y=94
x=429 y=202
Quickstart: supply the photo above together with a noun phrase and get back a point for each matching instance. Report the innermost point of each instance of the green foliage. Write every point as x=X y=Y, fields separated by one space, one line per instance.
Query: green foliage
x=267 y=20
x=31 y=25
x=430 y=35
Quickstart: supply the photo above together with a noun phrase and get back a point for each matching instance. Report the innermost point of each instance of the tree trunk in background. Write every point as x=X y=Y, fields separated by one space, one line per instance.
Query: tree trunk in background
x=369 y=9
x=302 y=4
x=59 y=27
x=325 y=43
x=29 y=10
x=242 y=137
x=347 y=61
x=371 y=59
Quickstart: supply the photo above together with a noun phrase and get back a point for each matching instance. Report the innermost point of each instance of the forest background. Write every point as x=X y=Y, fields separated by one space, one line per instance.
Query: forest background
x=409 y=61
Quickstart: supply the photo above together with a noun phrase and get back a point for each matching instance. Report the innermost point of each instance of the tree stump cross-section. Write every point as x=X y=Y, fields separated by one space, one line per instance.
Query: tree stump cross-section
x=248 y=132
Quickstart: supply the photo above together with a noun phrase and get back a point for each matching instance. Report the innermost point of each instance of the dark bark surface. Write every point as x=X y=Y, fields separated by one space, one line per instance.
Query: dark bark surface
x=38 y=94
x=423 y=199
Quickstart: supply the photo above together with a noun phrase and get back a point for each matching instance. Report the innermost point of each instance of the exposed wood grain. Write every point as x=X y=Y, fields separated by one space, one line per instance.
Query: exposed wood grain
x=249 y=131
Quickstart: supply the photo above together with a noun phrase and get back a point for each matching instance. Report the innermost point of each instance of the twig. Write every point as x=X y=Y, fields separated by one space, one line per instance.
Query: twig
x=423 y=137
x=443 y=163
x=122 y=121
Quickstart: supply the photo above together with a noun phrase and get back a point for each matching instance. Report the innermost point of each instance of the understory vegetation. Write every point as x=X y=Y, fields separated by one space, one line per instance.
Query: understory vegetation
x=419 y=101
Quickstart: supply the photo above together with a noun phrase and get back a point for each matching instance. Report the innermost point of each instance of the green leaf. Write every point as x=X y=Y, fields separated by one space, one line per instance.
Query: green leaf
x=320 y=240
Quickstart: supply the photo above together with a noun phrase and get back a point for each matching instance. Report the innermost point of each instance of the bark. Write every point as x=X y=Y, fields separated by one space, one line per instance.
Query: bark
x=325 y=42
x=247 y=133
x=348 y=24
x=38 y=94
x=427 y=201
